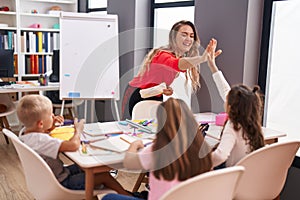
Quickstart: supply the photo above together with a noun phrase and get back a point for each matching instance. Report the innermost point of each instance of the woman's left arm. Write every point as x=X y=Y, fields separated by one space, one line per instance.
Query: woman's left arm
x=188 y=62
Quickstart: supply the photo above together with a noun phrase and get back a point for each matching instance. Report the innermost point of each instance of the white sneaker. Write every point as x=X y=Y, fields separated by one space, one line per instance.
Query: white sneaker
x=114 y=173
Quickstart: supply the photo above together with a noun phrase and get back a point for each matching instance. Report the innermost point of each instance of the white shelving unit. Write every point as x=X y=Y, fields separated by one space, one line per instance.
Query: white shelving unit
x=21 y=15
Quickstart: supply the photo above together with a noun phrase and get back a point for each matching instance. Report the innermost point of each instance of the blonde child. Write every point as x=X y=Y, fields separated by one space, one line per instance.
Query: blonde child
x=35 y=112
x=178 y=153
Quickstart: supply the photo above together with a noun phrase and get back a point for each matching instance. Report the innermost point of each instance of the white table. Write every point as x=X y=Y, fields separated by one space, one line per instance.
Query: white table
x=97 y=162
x=214 y=131
x=29 y=88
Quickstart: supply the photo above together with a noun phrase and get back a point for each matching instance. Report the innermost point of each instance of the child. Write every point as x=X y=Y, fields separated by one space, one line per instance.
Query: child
x=178 y=153
x=242 y=132
x=35 y=112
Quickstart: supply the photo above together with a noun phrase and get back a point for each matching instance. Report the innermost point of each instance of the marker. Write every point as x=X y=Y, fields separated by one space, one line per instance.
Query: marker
x=148 y=122
x=125 y=140
x=113 y=134
x=148 y=143
x=83 y=148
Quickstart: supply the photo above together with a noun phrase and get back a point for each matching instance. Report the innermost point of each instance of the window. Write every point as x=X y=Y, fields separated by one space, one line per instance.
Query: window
x=166 y=1
x=165 y=14
x=97 y=6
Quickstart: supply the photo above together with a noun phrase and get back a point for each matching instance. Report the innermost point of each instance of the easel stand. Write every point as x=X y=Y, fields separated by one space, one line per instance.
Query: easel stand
x=92 y=107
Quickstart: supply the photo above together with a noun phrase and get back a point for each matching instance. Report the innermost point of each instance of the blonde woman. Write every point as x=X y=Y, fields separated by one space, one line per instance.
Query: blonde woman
x=164 y=63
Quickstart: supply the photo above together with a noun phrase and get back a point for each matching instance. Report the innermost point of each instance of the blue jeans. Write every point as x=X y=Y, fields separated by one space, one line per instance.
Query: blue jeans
x=119 y=197
x=76 y=179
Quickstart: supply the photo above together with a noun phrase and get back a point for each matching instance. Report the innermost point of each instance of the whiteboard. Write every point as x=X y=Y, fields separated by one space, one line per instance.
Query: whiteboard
x=283 y=85
x=89 y=56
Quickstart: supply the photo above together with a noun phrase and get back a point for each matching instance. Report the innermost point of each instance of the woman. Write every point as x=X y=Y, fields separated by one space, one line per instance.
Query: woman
x=164 y=63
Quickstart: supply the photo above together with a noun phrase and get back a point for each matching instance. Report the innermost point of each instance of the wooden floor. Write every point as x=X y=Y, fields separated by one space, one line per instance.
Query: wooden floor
x=12 y=180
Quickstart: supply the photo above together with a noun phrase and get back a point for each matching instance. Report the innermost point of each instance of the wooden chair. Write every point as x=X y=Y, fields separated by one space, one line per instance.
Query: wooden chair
x=40 y=179
x=144 y=110
x=71 y=108
x=265 y=171
x=71 y=111
x=213 y=185
x=9 y=108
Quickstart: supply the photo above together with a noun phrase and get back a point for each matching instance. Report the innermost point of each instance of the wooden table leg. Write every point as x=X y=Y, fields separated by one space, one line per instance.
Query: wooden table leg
x=271 y=141
x=89 y=183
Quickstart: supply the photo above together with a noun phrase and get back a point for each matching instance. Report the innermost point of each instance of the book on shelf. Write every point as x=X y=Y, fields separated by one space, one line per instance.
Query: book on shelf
x=55 y=41
x=39 y=41
x=38 y=64
x=10 y=40
x=16 y=71
x=15 y=42
x=7 y=40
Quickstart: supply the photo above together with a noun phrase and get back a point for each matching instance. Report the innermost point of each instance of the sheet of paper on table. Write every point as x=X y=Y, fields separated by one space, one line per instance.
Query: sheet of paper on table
x=118 y=143
x=97 y=129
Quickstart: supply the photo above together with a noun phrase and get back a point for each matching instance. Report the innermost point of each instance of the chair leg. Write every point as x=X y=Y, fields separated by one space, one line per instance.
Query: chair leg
x=4 y=124
x=138 y=182
x=71 y=113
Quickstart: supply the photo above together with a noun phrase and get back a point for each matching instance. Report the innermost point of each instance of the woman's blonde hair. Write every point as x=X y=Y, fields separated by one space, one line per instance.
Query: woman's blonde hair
x=193 y=73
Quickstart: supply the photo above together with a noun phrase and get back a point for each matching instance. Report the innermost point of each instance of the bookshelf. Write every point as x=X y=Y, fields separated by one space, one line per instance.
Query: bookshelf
x=33 y=32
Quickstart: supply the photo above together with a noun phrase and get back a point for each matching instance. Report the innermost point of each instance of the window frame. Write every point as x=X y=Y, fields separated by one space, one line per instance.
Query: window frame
x=94 y=9
x=165 y=5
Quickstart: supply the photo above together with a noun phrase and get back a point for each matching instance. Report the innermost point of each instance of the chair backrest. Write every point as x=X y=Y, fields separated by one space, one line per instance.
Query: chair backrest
x=213 y=185
x=40 y=180
x=145 y=109
x=6 y=100
x=266 y=170
x=7 y=63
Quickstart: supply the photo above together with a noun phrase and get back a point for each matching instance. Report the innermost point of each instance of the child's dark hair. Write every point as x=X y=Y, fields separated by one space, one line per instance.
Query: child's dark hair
x=245 y=111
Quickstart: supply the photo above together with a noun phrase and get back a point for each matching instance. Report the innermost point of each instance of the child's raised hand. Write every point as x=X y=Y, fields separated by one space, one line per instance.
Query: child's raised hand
x=58 y=120
x=79 y=125
x=212 y=54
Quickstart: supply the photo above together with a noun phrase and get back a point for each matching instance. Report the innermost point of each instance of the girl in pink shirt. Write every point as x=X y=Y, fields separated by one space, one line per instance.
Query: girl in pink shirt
x=178 y=153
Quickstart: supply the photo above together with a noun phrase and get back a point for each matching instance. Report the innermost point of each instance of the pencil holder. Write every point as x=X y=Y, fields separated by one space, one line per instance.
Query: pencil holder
x=221 y=119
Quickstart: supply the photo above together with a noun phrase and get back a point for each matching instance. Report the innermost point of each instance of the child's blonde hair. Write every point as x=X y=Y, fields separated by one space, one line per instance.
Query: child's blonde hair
x=31 y=109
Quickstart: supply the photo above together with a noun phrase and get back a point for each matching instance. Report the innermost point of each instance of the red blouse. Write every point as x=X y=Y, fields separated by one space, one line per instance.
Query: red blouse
x=163 y=68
